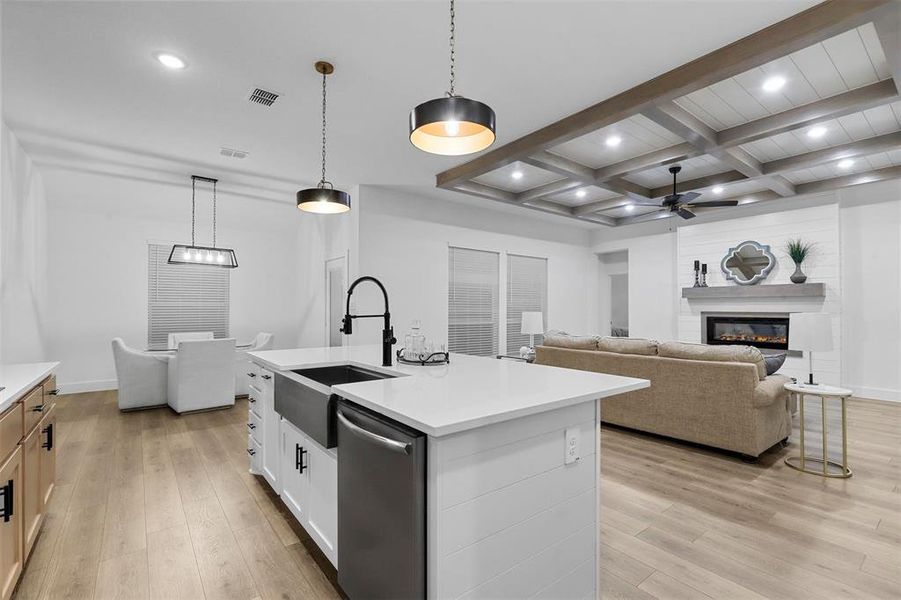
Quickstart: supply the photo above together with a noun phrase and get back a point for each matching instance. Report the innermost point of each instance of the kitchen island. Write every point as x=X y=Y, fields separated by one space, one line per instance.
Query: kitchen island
x=510 y=460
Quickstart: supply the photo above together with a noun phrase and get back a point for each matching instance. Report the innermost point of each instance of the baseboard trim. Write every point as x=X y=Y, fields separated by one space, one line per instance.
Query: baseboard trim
x=871 y=393
x=78 y=387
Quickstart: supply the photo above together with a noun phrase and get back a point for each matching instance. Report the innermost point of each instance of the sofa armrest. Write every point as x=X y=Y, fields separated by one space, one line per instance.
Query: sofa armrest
x=772 y=389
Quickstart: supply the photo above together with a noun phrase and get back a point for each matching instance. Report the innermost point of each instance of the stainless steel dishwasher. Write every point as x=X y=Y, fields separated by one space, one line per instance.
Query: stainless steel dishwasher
x=381 y=506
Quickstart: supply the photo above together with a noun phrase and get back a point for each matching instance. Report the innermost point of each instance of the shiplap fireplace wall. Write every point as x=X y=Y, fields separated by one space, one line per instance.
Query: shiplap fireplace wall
x=709 y=242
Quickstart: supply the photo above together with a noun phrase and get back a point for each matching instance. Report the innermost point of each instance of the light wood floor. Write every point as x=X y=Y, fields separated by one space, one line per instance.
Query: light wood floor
x=152 y=505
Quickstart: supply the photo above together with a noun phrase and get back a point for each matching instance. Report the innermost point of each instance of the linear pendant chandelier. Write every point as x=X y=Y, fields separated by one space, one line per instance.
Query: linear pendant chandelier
x=452 y=125
x=324 y=198
x=210 y=256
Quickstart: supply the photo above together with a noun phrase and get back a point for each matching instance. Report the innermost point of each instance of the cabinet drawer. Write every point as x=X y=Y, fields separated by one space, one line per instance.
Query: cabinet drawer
x=11 y=428
x=255 y=450
x=265 y=381
x=255 y=426
x=255 y=401
x=50 y=390
x=253 y=375
x=33 y=405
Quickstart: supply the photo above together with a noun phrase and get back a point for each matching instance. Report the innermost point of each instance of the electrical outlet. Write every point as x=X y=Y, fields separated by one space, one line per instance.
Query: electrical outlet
x=571 y=447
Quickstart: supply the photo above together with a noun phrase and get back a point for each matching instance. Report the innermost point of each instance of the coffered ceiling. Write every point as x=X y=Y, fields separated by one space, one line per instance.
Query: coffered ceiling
x=806 y=105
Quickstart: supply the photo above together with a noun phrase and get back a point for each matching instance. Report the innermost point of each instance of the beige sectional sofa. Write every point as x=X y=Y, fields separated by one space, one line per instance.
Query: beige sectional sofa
x=718 y=396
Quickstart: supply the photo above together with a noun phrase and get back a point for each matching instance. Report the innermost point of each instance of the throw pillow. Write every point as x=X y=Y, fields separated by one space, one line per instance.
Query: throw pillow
x=773 y=362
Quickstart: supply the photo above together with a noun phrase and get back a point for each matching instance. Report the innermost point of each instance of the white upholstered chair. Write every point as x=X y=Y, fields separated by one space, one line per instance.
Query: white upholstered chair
x=175 y=338
x=142 y=377
x=263 y=341
x=202 y=375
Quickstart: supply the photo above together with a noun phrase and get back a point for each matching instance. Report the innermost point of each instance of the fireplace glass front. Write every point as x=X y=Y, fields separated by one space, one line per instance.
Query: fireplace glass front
x=762 y=332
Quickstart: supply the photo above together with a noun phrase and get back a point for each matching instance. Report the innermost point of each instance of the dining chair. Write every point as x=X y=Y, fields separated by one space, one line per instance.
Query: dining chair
x=181 y=336
x=201 y=375
x=142 y=377
x=262 y=341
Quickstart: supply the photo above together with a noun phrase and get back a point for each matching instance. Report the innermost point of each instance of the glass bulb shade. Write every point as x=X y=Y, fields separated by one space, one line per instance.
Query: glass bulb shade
x=207 y=256
x=452 y=126
x=325 y=201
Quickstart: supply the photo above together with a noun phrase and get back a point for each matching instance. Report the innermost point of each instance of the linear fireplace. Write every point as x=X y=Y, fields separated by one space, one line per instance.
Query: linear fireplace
x=766 y=332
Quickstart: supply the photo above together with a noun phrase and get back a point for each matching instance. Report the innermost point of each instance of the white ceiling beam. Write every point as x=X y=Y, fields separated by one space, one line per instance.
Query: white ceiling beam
x=880 y=143
x=888 y=30
x=835 y=183
x=608 y=221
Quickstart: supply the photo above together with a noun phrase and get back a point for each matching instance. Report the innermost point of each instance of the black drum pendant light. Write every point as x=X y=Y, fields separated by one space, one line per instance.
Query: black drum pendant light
x=211 y=256
x=452 y=125
x=324 y=198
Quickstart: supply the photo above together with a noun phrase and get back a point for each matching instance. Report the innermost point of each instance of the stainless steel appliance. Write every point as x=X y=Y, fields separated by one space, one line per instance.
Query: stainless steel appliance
x=381 y=506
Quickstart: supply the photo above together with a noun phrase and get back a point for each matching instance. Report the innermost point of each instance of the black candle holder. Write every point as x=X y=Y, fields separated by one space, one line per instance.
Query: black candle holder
x=697 y=271
x=703 y=275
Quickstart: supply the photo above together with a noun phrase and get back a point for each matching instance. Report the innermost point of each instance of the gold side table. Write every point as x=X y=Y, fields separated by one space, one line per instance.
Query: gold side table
x=816 y=465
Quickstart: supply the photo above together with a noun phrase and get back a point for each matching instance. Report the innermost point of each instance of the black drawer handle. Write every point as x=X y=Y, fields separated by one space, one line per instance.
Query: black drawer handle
x=7 y=491
x=38 y=408
x=266 y=376
x=251 y=426
x=251 y=374
x=251 y=399
x=251 y=451
x=298 y=458
x=49 y=431
x=54 y=392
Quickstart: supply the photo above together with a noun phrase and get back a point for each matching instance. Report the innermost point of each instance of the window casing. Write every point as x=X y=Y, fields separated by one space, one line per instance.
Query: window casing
x=184 y=298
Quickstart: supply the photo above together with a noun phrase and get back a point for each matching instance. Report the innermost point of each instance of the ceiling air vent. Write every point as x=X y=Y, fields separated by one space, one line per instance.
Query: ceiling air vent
x=264 y=97
x=232 y=153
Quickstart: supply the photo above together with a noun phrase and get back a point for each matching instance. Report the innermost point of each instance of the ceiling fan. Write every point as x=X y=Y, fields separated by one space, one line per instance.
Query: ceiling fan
x=682 y=203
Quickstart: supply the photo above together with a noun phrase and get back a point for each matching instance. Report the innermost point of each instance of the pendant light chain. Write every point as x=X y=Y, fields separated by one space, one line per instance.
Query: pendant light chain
x=322 y=181
x=453 y=49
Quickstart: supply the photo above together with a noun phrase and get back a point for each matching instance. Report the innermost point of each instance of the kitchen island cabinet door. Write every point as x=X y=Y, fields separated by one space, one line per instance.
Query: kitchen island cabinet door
x=322 y=512
x=48 y=437
x=271 y=437
x=11 y=559
x=32 y=496
x=294 y=472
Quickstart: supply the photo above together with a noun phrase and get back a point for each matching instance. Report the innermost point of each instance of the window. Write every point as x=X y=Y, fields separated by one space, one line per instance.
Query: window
x=183 y=298
x=526 y=291
x=472 y=297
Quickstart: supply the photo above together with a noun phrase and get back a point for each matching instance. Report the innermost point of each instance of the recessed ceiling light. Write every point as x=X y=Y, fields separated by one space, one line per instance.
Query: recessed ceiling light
x=816 y=132
x=613 y=141
x=630 y=207
x=516 y=174
x=773 y=84
x=845 y=164
x=717 y=189
x=581 y=193
x=170 y=60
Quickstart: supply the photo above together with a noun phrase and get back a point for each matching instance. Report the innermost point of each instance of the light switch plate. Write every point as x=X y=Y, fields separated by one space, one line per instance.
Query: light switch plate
x=571 y=449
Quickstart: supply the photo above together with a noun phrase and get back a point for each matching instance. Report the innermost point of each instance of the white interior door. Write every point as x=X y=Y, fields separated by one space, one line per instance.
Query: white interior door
x=335 y=290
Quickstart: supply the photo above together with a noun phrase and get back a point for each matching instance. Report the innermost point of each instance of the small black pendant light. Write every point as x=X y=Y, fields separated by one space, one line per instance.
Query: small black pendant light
x=452 y=125
x=210 y=256
x=324 y=198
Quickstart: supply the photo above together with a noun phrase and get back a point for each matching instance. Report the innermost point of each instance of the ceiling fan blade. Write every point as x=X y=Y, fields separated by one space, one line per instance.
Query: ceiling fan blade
x=710 y=203
x=688 y=197
x=685 y=213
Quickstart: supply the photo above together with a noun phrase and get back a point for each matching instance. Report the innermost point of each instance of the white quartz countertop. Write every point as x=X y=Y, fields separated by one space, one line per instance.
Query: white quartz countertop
x=468 y=393
x=18 y=379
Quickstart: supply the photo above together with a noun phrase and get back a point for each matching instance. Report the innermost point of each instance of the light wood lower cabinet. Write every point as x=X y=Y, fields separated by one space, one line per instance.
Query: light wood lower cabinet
x=32 y=496
x=11 y=547
x=47 y=437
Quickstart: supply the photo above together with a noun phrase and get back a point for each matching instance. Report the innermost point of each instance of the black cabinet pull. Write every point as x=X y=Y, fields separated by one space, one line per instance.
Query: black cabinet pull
x=38 y=408
x=251 y=374
x=7 y=491
x=251 y=399
x=251 y=426
x=251 y=451
x=298 y=458
x=49 y=431
x=53 y=392
x=266 y=376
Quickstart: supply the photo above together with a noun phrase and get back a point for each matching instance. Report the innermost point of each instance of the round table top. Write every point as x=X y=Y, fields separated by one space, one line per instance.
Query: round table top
x=818 y=390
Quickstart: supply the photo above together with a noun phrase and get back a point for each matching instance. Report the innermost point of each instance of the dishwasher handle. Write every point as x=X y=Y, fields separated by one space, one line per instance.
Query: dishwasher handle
x=388 y=443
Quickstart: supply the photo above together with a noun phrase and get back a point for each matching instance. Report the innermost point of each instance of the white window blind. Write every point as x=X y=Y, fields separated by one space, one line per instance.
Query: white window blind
x=526 y=291
x=473 y=301
x=184 y=298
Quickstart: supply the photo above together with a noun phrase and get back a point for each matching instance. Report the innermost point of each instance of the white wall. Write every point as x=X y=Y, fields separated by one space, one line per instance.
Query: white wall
x=23 y=280
x=709 y=242
x=871 y=290
x=404 y=242
x=99 y=228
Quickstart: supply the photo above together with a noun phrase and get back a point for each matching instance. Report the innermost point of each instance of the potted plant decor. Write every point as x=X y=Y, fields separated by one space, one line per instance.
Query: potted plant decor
x=798 y=250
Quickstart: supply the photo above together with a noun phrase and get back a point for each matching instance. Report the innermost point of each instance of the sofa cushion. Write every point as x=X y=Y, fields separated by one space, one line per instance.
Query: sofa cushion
x=744 y=354
x=561 y=339
x=774 y=362
x=623 y=345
